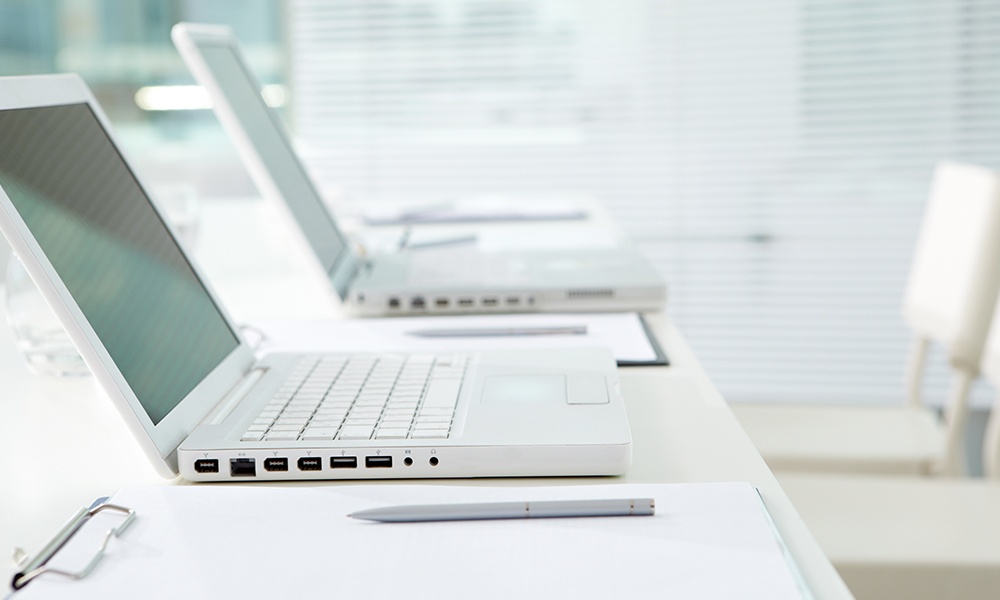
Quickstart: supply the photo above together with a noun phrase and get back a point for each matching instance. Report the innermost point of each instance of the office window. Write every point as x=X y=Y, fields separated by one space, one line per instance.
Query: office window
x=772 y=158
x=122 y=49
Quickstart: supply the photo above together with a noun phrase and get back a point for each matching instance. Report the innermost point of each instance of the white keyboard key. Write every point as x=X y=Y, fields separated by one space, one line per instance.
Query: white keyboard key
x=300 y=418
x=356 y=432
x=335 y=417
x=282 y=436
x=331 y=411
x=429 y=434
x=378 y=401
x=288 y=427
x=252 y=436
x=398 y=416
x=299 y=403
x=334 y=406
x=442 y=393
x=319 y=433
x=386 y=433
x=324 y=426
x=434 y=419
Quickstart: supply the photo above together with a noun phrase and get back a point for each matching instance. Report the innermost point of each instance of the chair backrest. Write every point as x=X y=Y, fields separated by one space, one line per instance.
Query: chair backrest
x=991 y=368
x=955 y=275
x=952 y=290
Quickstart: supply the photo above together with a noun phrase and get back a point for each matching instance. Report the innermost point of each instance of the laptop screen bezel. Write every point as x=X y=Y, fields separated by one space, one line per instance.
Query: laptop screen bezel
x=159 y=440
x=191 y=39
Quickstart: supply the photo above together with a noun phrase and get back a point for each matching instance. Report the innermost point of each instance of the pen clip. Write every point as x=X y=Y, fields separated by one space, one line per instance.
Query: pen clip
x=39 y=565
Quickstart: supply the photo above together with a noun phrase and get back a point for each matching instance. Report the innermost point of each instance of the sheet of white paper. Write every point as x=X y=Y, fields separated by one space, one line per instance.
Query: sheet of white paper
x=623 y=333
x=558 y=238
x=553 y=238
x=706 y=541
x=480 y=211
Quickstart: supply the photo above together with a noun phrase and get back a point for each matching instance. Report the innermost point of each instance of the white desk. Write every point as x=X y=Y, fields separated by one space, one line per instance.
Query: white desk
x=63 y=444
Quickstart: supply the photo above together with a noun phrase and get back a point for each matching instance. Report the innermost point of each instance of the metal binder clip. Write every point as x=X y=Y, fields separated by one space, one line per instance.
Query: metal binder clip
x=39 y=564
x=20 y=557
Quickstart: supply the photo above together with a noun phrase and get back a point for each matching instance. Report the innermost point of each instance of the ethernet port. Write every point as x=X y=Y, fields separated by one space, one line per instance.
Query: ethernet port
x=242 y=467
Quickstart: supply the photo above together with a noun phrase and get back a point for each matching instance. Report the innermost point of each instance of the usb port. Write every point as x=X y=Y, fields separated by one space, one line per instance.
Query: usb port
x=393 y=302
x=418 y=303
x=310 y=463
x=513 y=300
x=378 y=462
x=206 y=465
x=242 y=467
x=441 y=303
x=275 y=464
x=344 y=462
x=489 y=301
x=465 y=301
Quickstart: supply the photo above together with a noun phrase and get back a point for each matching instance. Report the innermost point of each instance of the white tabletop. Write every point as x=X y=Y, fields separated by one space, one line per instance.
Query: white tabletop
x=64 y=445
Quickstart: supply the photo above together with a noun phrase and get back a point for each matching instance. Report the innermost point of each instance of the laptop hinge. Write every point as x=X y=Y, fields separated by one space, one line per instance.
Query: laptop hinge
x=226 y=406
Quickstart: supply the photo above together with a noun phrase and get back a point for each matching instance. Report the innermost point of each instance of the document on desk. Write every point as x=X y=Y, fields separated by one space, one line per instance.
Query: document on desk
x=626 y=334
x=474 y=212
x=706 y=541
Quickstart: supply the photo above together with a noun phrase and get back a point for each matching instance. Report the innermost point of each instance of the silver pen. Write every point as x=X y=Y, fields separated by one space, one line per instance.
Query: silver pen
x=500 y=331
x=626 y=507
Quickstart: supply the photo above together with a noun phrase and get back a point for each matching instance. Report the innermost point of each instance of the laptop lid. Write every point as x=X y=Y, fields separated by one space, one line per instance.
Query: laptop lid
x=215 y=60
x=108 y=263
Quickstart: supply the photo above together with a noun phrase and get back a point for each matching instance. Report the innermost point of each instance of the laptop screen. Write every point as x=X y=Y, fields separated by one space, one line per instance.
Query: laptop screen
x=271 y=145
x=112 y=251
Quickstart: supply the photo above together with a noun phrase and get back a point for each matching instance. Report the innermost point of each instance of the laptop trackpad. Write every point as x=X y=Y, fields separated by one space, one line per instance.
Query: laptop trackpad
x=545 y=389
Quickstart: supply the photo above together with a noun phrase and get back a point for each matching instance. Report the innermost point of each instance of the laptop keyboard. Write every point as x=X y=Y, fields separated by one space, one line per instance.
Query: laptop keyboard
x=390 y=397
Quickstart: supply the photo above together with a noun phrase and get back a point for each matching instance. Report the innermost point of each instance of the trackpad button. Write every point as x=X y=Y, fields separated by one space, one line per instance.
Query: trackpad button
x=525 y=389
x=588 y=389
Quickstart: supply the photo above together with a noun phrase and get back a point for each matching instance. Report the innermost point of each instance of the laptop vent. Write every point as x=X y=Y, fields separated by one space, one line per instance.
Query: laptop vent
x=590 y=294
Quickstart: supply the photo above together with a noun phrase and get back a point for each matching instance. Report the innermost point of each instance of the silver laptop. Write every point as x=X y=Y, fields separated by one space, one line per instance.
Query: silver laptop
x=457 y=279
x=201 y=404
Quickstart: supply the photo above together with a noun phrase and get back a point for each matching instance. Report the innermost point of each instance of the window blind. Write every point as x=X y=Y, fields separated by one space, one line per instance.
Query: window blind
x=771 y=158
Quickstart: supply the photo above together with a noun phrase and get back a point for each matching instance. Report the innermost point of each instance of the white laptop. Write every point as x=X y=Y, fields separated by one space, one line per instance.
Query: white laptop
x=457 y=279
x=192 y=391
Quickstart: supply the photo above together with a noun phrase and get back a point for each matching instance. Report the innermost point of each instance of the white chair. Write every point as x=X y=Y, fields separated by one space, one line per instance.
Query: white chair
x=911 y=538
x=949 y=300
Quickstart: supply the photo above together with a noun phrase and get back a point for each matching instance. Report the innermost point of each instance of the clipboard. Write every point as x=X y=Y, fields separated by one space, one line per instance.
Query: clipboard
x=31 y=568
x=628 y=335
x=707 y=540
x=660 y=359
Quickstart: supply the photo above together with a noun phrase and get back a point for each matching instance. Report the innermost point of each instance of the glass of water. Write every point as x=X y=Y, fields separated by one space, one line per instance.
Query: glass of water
x=38 y=334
